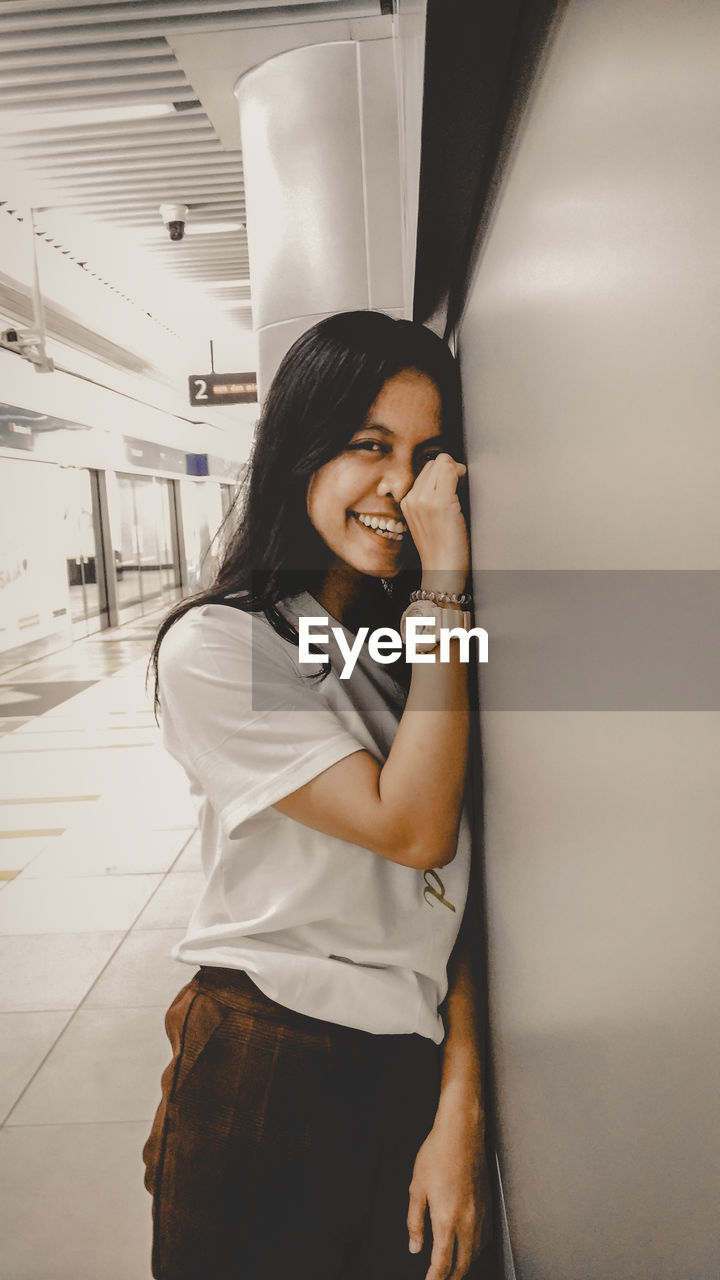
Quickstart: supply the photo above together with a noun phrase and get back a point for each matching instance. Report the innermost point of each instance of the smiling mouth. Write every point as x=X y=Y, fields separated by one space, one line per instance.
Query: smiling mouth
x=387 y=528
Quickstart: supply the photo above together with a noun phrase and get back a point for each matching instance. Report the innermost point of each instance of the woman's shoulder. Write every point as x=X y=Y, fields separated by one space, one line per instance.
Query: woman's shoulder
x=202 y=623
x=221 y=634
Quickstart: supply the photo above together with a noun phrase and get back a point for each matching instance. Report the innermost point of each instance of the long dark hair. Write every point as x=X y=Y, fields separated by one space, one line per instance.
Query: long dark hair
x=320 y=396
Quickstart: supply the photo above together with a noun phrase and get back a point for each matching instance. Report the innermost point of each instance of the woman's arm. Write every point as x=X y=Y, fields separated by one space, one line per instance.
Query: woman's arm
x=450 y=1178
x=408 y=809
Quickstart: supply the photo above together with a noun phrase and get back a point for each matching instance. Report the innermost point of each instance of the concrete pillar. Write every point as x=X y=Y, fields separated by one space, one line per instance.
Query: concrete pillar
x=323 y=192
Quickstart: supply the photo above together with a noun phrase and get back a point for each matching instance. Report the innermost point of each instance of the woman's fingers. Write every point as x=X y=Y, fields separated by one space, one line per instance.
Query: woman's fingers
x=434 y=517
x=442 y=1253
x=439 y=472
x=436 y=484
x=416 y=1219
x=463 y=1258
x=450 y=1247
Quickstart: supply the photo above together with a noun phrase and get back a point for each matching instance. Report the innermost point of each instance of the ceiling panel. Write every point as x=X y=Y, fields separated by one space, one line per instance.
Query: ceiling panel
x=72 y=74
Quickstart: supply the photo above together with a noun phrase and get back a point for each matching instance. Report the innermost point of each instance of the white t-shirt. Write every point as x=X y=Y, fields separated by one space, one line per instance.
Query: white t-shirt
x=321 y=925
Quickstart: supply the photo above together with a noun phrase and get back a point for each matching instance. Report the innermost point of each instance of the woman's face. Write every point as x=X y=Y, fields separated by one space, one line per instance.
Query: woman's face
x=354 y=500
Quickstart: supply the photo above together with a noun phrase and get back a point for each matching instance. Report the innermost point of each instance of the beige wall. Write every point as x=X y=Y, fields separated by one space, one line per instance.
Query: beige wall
x=589 y=355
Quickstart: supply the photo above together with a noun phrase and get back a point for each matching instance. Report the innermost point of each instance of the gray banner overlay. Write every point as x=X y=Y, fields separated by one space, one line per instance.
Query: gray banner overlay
x=600 y=640
x=582 y=640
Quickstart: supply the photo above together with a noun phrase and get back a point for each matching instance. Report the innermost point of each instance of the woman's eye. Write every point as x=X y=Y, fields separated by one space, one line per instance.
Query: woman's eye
x=372 y=446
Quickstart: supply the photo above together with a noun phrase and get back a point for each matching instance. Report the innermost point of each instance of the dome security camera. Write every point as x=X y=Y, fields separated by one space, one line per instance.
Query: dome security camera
x=174 y=216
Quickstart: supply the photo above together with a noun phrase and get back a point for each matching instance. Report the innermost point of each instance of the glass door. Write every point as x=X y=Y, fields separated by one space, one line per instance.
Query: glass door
x=167 y=539
x=147 y=563
x=148 y=533
x=125 y=546
x=83 y=550
x=202 y=516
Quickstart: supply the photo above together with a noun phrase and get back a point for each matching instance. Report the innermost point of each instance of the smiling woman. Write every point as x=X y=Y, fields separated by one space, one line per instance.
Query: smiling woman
x=354 y=500
x=337 y=399
x=320 y=1103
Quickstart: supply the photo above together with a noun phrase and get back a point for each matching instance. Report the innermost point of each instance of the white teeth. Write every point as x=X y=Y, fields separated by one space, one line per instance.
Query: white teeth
x=380 y=522
x=393 y=530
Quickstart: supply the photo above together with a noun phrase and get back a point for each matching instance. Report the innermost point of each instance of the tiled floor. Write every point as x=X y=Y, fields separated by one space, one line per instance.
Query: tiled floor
x=99 y=869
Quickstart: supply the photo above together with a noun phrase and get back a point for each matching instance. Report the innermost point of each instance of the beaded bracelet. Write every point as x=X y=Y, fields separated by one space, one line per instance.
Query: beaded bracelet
x=441 y=597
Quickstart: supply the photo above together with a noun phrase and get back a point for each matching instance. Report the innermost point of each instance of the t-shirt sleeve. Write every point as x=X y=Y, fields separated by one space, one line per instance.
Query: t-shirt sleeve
x=240 y=716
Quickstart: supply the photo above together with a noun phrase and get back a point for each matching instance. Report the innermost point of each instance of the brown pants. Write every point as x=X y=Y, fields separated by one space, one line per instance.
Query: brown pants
x=283 y=1146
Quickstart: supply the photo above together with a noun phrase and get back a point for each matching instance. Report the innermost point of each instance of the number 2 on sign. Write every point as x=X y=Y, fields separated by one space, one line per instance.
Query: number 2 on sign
x=201 y=391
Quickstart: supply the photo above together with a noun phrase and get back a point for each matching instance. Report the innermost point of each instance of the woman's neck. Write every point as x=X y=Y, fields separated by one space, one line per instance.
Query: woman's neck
x=344 y=592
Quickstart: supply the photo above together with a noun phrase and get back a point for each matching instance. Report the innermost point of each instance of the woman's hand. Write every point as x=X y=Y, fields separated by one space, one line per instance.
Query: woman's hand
x=450 y=1179
x=432 y=511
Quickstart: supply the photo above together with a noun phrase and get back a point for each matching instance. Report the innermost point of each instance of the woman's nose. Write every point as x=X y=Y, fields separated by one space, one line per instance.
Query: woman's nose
x=396 y=482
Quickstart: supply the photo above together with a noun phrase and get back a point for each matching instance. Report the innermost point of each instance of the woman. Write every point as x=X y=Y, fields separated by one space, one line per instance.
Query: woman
x=320 y=1119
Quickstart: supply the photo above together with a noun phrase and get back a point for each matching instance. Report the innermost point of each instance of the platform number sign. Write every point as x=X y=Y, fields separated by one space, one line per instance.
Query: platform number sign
x=222 y=388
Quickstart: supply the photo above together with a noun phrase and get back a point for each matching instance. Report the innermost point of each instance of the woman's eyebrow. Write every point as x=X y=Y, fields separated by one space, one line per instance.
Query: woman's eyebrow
x=376 y=426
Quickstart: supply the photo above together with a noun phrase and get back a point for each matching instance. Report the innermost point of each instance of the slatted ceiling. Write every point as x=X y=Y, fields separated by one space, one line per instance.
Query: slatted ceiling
x=64 y=56
x=96 y=153
x=71 y=12
x=49 y=73
x=84 y=85
x=88 y=98
x=41 y=130
x=210 y=157
x=126 y=19
x=131 y=218
x=215 y=272
x=244 y=12
x=62 y=53
x=204 y=173
x=205 y=158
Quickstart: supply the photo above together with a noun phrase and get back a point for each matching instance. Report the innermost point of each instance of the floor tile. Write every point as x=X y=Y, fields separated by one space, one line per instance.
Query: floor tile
x=25 y=1038
x=78 y=739
x=56 y=773
x=51 y=971
x=106 y=1066
x=164 y=798
x=92 y=768
x=10 y=724
x=141 y=972
x=88 y=720
x=99 y=850
x=171 y=813
x=33 y=698
x=17 y=851
x=72 y=1203
x=190 y=859
x=50 y=813
x=174 y=902
x=81 y=905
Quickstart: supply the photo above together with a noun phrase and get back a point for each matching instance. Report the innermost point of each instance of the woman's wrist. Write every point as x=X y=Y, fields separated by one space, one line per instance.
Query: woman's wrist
x=447 y=581
x=461 y=1104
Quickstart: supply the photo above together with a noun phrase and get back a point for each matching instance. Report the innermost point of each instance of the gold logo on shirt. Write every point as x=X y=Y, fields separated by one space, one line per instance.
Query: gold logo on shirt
x=436 y=890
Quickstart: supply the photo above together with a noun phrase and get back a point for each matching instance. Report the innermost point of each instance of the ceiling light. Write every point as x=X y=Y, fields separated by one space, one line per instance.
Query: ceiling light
x=23 y=121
